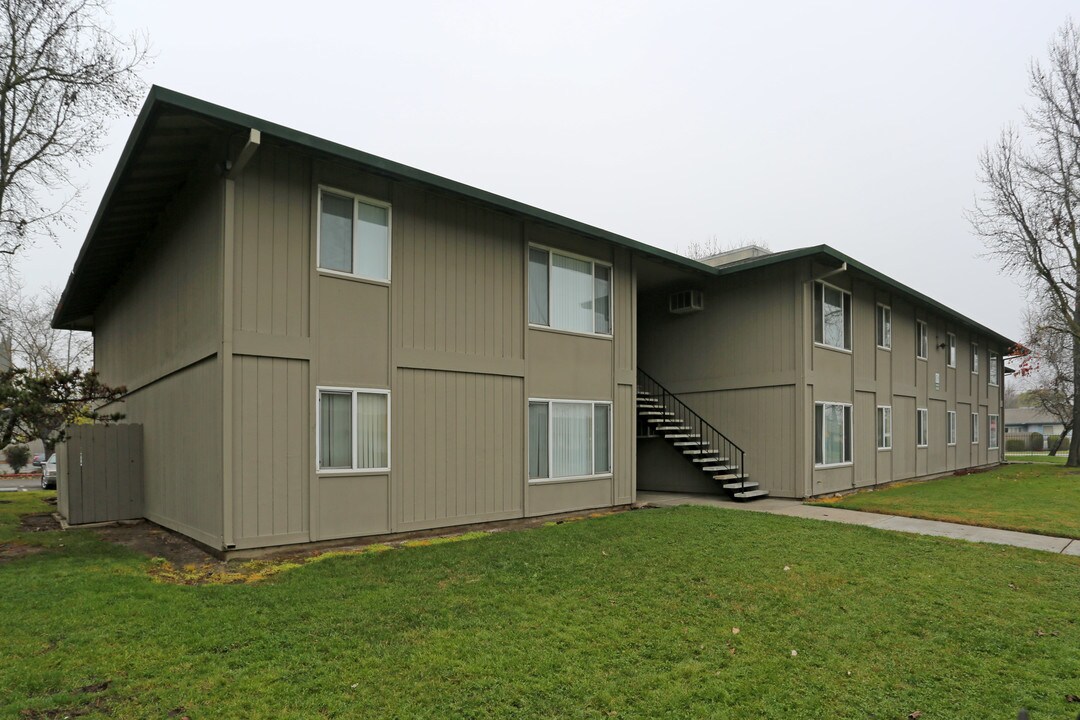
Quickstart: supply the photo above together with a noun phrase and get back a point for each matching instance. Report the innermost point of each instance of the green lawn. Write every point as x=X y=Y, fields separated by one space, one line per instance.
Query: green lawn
x=1058 y=459
x=1037 y=498
x=629 y=615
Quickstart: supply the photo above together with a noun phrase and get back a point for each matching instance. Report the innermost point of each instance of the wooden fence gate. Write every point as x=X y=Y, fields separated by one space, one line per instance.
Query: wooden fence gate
x=99 y=473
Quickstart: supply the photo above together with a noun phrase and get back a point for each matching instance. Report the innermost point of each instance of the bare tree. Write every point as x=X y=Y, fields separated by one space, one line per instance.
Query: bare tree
x=26 y=321
x=64 y=74
x=1053 y=387
x=712 y=246
x=1027 y=215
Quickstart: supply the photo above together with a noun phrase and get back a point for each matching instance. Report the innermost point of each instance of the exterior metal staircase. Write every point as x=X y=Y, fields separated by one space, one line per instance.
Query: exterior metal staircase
x=661 y=414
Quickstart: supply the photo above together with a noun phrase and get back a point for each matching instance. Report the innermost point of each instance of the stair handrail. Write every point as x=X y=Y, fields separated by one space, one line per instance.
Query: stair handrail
x=664 y=394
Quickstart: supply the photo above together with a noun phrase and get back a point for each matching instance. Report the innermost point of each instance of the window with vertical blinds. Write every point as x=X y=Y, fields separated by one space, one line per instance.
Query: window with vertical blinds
x=569 y=293
x=353 y=430
x=569 y=439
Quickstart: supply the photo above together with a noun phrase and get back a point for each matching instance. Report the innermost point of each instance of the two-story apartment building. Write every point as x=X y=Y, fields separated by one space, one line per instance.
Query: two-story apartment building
x=323 y=344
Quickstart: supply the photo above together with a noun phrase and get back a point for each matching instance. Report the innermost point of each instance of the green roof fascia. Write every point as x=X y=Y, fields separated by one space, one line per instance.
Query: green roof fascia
x=853 y=264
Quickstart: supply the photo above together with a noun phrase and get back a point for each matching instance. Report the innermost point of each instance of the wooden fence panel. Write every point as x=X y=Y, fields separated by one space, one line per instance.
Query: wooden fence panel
x=99 y=473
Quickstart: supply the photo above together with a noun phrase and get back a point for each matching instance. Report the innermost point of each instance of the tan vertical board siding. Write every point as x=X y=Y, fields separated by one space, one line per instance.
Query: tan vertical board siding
x=624 y=458
x=904 y=438
x=572 y=367
x=164 y=313
x=964 y=449
x=937 y=457
x=271 y=401
x=272 y=217
x=457 y=447
x=865 y=437
x=353 y=338
x=554 y=497
x=353 y=505
x=458 y=280
x=181 y=418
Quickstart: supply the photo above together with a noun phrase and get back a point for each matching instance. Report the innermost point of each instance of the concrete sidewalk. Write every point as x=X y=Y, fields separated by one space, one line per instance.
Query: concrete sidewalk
x=795 y=508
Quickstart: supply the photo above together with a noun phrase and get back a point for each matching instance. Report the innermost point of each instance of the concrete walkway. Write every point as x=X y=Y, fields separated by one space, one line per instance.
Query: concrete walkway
x=795 y=508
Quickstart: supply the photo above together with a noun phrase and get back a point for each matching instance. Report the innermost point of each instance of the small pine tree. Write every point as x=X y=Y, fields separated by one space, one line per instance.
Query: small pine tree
x=17 y=456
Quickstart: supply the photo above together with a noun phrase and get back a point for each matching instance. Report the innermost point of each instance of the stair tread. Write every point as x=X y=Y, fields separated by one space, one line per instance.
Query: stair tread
x=748 y=485
x=689 y=443
x=751 y=494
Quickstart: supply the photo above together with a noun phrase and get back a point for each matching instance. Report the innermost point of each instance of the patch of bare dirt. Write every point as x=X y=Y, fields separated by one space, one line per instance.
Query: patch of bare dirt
x=38 y=523
x=154 y=541
x=97 y=705
x=13 y=551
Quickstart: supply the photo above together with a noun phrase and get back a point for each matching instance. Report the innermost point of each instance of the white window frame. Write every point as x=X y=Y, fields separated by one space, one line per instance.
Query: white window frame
x=356 y=197
x=950 y=428
x=611 y=438
x=319 y=390
x=951 y=360
x=993 y=430
x=922 y=340
x=992 y=369
x=594 y=262
x=884 y=412
x=974 y=358
x=922 y=427
x=849 y=437
x=849 y=328
x=879 y=329
x=974 y=428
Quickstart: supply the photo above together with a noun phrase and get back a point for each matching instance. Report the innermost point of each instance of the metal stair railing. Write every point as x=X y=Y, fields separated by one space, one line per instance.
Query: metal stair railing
x=717 y=441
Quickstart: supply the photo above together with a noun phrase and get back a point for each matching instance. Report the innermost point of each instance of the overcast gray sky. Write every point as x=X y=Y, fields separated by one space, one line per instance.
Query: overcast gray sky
x=854 y=124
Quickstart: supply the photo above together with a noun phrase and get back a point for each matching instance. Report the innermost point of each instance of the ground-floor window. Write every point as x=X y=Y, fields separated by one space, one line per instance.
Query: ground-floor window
x=993 y=439
x=974 y=428
x=353 y=429
x=884 y=427
x=569 y=439
x=921 y=418
x=832 y=424
x=950 y=437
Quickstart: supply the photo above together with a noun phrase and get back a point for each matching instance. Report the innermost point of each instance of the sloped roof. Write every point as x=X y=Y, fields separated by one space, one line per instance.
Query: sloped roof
x=173 y=129
x=1029 y=416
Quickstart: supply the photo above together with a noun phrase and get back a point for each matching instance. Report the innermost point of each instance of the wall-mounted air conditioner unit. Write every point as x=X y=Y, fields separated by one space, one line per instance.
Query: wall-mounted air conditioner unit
x=687 y=301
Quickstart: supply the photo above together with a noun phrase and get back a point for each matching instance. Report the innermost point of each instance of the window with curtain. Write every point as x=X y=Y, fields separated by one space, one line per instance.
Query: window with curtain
x=921 y=434
x=569 y=293
x=832 y=316
x=952 y=350
x=354 y=430
x=923 y=346
x=832 y=425
x=992 y=370
x=974 y=358
x=974 y=428
x=354 y=235
x=950 y=433
x=992 y=441
x=569 y=439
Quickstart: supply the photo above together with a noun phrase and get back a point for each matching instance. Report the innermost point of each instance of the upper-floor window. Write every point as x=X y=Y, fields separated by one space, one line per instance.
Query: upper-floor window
x=832 y=424
x=952 y=349
x=992 y=370
x=354 y=235
x=832 y=316
x=923 y=345
x=974 y=357
x=884 y=327
x=569 y=293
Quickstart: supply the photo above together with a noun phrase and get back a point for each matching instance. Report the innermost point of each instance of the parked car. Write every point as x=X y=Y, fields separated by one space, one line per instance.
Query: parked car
x=48 y=473
x=38 y=460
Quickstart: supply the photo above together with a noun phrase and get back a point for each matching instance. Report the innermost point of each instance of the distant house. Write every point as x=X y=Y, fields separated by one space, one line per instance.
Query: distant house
x=320 y=343
x=1032 y=420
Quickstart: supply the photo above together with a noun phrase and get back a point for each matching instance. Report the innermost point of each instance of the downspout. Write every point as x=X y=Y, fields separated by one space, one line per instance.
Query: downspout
x=228 y=233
